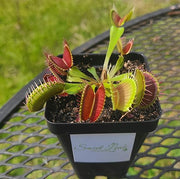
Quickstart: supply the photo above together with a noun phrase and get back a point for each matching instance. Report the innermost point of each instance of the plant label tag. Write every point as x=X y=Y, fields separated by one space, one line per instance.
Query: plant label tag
x=102 y=148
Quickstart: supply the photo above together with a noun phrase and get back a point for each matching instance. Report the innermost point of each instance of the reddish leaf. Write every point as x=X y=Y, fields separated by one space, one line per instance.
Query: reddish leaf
x=53 y=77
x=124 y=47
x=60 y=62
x=67 y=56
x=87 y=102
x=151 y=89
x=116 y=18
x=63 y=94
x=55 y=64
x=118 y=21
x=49 y=77
x=60 y=65
x=98 y=103
x=92 y=103
x=127 y=47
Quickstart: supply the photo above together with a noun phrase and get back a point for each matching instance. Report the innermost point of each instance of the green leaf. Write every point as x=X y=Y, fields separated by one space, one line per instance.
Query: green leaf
x=74 y=72
x=107 y=87
x=121 y=77
x=129 y=15
x=36 y=100
x=116 y=67
x=115 y=34
x=92 y=70
x=123 y=94
x=73 y=88
x=140 y=83
x=74 y=79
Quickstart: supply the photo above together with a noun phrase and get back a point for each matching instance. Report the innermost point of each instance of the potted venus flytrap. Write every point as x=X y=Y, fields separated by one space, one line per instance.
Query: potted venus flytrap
x=100 y=106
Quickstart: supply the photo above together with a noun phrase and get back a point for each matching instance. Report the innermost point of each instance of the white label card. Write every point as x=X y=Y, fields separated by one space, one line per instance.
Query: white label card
x=97 y=148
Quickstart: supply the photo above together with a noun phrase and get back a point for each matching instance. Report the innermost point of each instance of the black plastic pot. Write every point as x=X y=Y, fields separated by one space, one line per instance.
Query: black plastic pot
x=101 y=149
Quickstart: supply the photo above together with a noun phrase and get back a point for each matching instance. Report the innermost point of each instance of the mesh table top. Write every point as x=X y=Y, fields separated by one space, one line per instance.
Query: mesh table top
x=29 y=150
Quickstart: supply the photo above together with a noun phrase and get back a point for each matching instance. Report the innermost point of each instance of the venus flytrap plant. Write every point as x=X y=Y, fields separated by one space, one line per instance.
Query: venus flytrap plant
x=127 y=90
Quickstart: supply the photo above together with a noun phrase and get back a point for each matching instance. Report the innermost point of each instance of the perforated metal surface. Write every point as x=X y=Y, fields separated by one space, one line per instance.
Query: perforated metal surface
x=29 y=150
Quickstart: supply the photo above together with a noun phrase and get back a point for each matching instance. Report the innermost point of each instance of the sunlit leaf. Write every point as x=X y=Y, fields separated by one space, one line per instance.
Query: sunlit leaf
x=37 y=98
x=74 y=72
x=107 y=87
x=73 y=88
x=74 y=79
x=140 y=83
x=123 y=94
x=115 y=34
x=121 y=77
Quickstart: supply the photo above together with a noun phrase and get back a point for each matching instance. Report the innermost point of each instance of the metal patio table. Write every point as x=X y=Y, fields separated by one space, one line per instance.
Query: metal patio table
x=29 y=150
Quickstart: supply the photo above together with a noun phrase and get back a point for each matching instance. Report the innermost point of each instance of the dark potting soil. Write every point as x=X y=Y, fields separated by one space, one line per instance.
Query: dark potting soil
x=66 y=109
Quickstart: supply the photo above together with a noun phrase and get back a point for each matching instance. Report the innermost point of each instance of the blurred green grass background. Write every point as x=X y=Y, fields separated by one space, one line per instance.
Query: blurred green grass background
x=30 y=27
